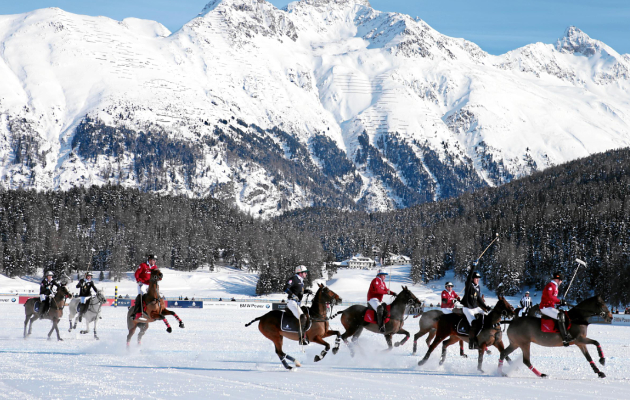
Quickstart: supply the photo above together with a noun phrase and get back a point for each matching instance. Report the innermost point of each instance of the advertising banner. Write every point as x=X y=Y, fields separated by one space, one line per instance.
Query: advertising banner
x=9 y=299
x=621 y=319
x=185 y=304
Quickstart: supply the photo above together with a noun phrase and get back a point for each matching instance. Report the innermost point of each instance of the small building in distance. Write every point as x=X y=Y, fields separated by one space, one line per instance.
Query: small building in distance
x=397 y=259
x=358 y=261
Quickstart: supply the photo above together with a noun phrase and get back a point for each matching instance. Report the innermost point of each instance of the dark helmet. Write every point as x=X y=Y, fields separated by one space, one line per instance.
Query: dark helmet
x=557 y=275
x=448 y=284
x=476 y=275
x=151 y=257
x=49 y=273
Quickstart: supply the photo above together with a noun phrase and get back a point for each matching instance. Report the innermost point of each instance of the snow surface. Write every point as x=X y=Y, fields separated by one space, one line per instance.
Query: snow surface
x=336 y=67
x=215 y=356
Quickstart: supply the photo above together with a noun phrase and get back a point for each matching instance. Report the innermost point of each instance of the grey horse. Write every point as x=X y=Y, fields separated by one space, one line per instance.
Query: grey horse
x=92 y=314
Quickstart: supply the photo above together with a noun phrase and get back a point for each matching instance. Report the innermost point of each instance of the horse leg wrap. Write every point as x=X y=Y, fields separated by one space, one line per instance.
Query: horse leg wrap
x=321 y=355
x=284 y=362
x=168 y=326
x=181 y=323
x=534 y=370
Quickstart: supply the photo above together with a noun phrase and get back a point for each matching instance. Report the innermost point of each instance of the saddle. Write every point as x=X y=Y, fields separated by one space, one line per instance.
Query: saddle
x=288 y=323
x=37 y=305
x=370 y=315
x=462 y=327
x=550 y=325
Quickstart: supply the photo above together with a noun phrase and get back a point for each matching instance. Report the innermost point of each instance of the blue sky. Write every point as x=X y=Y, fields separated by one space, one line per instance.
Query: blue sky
x=496 y=26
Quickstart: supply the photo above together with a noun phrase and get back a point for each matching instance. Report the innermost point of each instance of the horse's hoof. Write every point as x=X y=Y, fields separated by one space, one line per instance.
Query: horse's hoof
x=488 y=352
x=59 y=339
x=396 y=344
x=464 y=355
x=421 y=362
x=503 y=374
x=169 y=329
x=602 y=361
x=544 y=375
x=297 y=363
x=96 y=337
x=317 y=358
x=335 y=350
x=181 y=325
x=48 y=338
x=441 y=362
x=601 y=374
x=481 y=370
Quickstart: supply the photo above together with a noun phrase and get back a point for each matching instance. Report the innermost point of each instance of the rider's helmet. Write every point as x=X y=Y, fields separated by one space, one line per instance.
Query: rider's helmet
x=527 y=292
x=151 y=257
x=557 y=275
x=448 y=284
x=300 y=268
x=476 y=275
x=49 y=273
x=88 y=274
x=381 y=272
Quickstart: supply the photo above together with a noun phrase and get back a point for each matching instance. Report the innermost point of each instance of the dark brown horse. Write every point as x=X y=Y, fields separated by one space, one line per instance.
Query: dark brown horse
x=155 y=310
x=489 y=336
x=428 y=324
x=269 y=326
x=352 y=318
x=55 y=312
x=526 y=330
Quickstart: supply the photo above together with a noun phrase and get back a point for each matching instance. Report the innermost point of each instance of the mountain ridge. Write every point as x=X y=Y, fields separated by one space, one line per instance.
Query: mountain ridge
x=324 y=102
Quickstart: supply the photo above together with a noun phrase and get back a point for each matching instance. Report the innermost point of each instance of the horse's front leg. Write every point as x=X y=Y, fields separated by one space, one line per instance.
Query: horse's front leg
x=439 y=337
x=401 y=331
x=388 y=339
x=585 y=340
x=95 y=321
x=169 y=312
x=337 y=339
x=590 y=360
x=445 y=345
x=319 y=339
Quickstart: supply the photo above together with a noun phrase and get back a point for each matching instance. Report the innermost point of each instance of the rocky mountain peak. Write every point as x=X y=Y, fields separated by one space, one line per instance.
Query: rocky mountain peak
x=576 y=41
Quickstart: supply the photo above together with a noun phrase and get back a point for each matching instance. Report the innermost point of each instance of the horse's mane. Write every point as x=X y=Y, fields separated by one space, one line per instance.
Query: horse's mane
x=585 y=309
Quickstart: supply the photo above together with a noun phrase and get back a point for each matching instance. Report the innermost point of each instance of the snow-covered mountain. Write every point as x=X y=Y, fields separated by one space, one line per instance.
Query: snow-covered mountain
x=324 y=102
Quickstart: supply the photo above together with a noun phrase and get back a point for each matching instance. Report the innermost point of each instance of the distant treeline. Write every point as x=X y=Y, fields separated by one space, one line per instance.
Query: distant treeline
x=545 y=221
x=113 y=228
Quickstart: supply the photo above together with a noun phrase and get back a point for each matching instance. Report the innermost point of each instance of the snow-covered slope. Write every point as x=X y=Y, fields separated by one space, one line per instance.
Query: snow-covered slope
x=324 y=102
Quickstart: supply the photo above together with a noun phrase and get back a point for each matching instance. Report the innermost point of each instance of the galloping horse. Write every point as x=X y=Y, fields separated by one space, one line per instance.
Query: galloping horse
x=352 y=318
x=55 y=312
x=269 y=326
x=428 y=324
x=92 y=314
x=155 y=309
x=489 y=336
x=526 y=330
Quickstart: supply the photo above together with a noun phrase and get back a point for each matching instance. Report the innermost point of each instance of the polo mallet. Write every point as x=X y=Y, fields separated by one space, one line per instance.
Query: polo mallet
x=580 y=262
x=484 y=252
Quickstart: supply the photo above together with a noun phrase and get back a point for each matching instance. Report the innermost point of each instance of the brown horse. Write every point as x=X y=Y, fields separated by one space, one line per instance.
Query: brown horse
x=155 y=309
x=55 y=312
x=352 y=318
x=428 y=324
x=489 y=336
x=269 y=326
x=526 y=330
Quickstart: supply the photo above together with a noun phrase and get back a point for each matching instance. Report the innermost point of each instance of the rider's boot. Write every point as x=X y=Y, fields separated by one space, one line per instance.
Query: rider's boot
x=380 y=317
x=44 y=308
x=566 y=336
x=137 y=311
x=472 y=334
x=303 y=322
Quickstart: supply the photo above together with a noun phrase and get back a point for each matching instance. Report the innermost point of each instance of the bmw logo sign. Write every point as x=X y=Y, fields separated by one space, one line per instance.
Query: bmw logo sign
x=13 y=300
x=266 y=306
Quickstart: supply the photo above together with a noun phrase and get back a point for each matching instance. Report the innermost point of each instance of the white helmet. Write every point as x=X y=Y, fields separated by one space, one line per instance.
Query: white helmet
x=49 y=273
x=382 y=272
x=300 y=268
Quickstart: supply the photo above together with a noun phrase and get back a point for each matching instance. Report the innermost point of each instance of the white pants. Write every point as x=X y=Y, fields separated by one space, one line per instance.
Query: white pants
x=42 y=297
x=141 y=289
x=85 y=299
x=374 y=303
x=446 y=310
x=295 y=308
x=550 y=312
x=471 y=312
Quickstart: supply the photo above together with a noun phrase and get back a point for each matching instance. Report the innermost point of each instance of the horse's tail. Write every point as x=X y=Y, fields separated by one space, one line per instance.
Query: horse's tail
x=252 y=321
x=335 y=315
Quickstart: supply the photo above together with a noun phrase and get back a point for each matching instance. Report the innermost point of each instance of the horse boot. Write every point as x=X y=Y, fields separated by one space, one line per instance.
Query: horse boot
x=380 y=318
x=566 y=336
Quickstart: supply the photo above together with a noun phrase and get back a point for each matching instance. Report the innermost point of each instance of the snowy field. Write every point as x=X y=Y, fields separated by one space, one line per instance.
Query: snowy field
x=215 y=356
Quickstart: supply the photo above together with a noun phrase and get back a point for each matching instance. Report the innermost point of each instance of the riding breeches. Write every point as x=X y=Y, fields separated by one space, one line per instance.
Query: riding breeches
x=295 y=308
x=85 y=299
x=141 y=289
x=471 y=312
x=550 y=312
x=374 y=303
x=42 y=297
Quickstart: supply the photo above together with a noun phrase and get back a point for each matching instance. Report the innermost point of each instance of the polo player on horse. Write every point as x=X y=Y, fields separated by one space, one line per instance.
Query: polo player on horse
x=548 y=306
x=474 y=306
x=377 y=289
x=45 y=291
x=85 y=286
x=294 y=288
